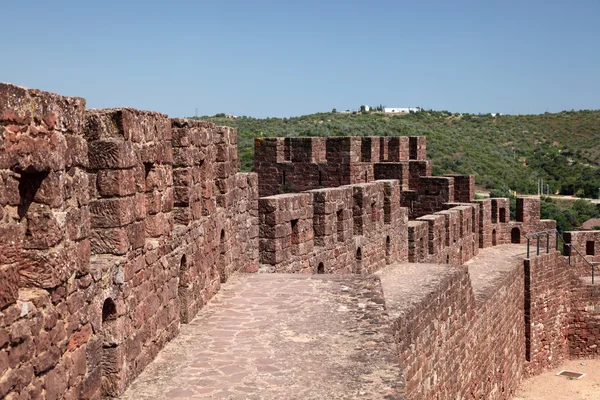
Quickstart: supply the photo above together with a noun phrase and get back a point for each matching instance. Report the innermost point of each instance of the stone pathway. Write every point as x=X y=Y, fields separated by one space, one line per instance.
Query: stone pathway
x=276 y=336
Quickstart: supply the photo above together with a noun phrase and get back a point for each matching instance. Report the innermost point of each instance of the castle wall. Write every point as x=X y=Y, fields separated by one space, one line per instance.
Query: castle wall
x=305 y=163
x=446 y=237
x=121 y=224
x=47 y=292
x=584 y=324
x=588 y=245
x=348 y=229
x=547 y=310
x=473 y=347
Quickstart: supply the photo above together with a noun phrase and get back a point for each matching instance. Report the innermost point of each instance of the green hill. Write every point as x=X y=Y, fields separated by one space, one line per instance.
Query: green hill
x=503 y=151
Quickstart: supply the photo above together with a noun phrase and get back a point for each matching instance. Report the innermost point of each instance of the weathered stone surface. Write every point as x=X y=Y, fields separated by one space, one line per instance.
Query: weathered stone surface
x=118 y=225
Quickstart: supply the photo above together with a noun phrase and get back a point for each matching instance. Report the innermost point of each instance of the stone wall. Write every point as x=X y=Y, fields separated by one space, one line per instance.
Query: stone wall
x=120 y=224
x=457 y=343
x=547 y=310
x=305 y=163
x=584 y=323
x=349 y=229
x=586 y=246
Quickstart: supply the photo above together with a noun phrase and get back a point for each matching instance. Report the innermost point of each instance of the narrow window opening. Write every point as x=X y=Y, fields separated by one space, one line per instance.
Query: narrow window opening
x=515 y=235
x=494 y=239
x=358 y=261
x=321 y=268
x=110 y=355
x=148 y=167
x=589 y=248
x=295 y=235
x=222 y=258
x=374 y=213
x=340 y=225
x=503 y=214
x=494 y=211
x=320 y=178
x=283 y=178
x=109 y=310
x=388 y=250
x=183 y=290
x=28 y=187
x=455 y=231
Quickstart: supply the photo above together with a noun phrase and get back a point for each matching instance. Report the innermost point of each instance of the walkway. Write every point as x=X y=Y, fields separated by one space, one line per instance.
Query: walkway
x=276 y=336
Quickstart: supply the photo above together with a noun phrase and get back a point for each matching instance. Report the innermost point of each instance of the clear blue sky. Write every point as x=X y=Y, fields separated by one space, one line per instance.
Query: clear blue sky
x=278 y=58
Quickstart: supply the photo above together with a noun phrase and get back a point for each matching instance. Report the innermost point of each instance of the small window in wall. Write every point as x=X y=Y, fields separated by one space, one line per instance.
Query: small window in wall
x=320 y=178
x=455 y=231
x=111 y=357
x=388 y=249
x=374 y=215
x=109 y=310
x=503 y=214
x=494 y=239
x=283 y=177
x=321 y=268
x=515 y=235
x=222 y=260
x=295 y=233
x=358 y=261
x=183 y=290
x=148 y=167
x=340 y=225
x=28 y=187
x=589 y=248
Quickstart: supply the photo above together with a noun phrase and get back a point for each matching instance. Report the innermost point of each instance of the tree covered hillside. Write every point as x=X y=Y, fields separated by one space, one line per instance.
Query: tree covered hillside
x=504 y=151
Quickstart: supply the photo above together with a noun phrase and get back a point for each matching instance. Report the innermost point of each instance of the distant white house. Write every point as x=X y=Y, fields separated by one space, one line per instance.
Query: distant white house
x=400 y=110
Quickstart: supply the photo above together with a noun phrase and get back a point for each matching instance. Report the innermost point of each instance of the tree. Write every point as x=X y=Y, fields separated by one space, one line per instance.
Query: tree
x=334 y=111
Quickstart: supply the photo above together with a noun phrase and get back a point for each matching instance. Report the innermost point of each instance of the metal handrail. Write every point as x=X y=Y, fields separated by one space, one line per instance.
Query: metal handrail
x=537 y=235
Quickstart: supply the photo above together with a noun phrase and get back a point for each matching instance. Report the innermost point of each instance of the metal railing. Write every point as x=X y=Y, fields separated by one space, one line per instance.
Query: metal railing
x=547 y=233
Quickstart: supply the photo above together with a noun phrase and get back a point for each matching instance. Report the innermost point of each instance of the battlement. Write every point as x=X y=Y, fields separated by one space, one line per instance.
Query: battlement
x=118 y=225
x=305 y=163
x=348 y=229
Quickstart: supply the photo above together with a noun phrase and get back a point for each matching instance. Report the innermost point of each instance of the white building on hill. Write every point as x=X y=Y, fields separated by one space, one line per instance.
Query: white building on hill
x=399 y=110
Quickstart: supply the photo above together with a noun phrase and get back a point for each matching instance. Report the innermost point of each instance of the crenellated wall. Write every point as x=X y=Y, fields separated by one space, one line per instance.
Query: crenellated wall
x=348 y=229
x=117 y=225
x=305 y=163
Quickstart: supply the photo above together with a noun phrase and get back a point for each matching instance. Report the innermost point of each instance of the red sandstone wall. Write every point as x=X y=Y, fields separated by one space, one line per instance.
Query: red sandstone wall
x=446 y=237
x=547 y=309
x=299 y=164
x=588 y=245
x=584 y=325
x=453 y=345
x=116 y=226
x=47 y=290
x=348 y=229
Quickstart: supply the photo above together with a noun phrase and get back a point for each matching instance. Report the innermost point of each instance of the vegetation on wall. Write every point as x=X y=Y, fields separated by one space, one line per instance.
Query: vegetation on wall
x=510 y=151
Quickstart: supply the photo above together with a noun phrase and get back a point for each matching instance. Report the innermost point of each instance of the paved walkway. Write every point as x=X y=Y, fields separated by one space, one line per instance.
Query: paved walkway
x=276 y=336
